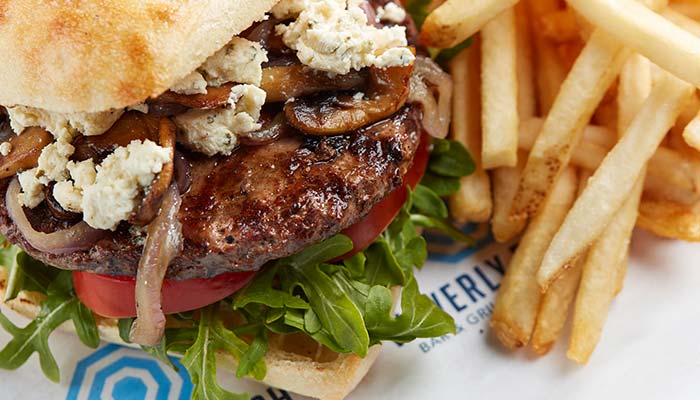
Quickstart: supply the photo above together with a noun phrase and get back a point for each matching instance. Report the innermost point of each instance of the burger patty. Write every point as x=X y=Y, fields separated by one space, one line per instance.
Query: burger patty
x=262 y=203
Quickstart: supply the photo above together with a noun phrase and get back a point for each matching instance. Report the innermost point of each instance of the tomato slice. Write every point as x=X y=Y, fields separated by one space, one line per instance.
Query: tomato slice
x=114 y=296
x=366 y=231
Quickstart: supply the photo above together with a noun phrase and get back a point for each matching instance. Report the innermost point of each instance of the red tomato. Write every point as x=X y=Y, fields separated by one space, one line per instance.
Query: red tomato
x=366 y=231
x=113 y=296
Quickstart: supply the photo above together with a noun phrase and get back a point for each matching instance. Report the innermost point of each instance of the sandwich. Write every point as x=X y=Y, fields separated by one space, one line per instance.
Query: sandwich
x=241 y=183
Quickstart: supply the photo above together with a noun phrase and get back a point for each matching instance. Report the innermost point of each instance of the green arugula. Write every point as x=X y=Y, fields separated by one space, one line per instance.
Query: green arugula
x=200 y=358
x=418 y=9
x=59 y=306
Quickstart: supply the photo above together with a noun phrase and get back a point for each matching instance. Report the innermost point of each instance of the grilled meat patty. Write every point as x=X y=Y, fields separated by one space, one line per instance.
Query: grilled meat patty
x=260 y=204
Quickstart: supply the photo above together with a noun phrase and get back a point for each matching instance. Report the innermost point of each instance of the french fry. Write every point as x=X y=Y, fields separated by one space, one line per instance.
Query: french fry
x=499 y=92
x=669 y=219
x=671 y=175
x=689 y=9
x=599 y=281
x=683 y=21
x=554 y=309
x=473 y=202
x=527 y=95
x=519 y=296
x=559 y=26
x=456 y=20
x=555 y=304
x=634 y=87
x=691 y=133
x=584 y=87
x=648 y=33
x=615 y=178
x=505 y=183
x=550 y=70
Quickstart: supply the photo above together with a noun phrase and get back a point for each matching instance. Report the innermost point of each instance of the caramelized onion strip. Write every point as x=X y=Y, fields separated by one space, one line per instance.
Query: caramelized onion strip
x=163 y=244
x=78 y=237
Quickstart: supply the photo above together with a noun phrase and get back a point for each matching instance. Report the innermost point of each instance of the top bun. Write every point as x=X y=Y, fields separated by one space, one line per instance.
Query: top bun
x=95 y=55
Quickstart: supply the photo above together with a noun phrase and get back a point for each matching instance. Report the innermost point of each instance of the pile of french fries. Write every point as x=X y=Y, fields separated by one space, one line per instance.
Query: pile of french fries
x=583 y=119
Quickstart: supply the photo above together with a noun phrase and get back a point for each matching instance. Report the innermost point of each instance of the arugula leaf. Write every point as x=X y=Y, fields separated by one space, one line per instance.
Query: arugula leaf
x=253 y=356
x=200 y=358
x=450 y=158
x=59 y=306
x=420 y=316
x=428 y=202
x=25 y=273
x=441 y=185
x=418 y=9
x=445 y=56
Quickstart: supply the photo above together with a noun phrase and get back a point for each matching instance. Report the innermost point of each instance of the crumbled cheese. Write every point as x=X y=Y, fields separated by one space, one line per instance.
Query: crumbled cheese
x=5 y=148
x=53 y=161
x=62 y=126
x=391 y=13
x=69 y=194
x=334 y=36
x=32 y=189
x=358 y=96
x=193 y=83
x=240 y=62
x=216 y=131
x=118 y=182
x=288 y=8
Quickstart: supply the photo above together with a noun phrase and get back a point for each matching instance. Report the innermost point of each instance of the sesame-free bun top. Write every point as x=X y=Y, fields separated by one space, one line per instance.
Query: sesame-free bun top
x=95 y=55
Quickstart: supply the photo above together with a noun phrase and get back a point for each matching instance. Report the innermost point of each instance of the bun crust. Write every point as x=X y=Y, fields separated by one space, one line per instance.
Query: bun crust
x=95 y=55
x=294 y=363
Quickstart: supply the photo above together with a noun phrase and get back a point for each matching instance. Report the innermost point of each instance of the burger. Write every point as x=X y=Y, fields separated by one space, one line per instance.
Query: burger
x=242 y=183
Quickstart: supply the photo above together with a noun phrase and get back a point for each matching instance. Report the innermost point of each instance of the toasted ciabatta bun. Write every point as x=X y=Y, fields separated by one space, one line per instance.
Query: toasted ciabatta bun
x=295 y=363
x=88 y=56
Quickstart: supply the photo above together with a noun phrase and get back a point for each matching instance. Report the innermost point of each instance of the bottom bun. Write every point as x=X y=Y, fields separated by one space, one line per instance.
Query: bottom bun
x=295 y=363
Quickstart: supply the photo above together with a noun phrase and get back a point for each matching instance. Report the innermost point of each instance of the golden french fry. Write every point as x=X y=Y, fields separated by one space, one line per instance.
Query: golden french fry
x=648 y=33
x=584 y=87
x=505 y=183
x=633 y=89
x=519 y=296
x=691 y=133
x=554 y=309
x=456 y=20
x=671 y=175
x=599 y=281
x=473 y=202
x=669 y=219
x=559 y=26
x=499 y=92
x=685 y=22
x=527 y=104
x=690 y=9
x=550 y=70
x=615 y=178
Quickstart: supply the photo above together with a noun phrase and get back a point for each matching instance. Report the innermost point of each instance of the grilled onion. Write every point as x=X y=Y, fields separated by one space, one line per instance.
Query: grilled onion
x=78 y=237
x=429 y=80
x=163 y=244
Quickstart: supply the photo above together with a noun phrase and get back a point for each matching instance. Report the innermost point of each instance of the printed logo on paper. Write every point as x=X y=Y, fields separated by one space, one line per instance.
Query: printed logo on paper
x=116 y=372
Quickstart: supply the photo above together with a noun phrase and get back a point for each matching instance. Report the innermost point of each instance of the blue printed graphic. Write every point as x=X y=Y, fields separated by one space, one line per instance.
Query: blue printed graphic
x=443 y=249
x=122 y=373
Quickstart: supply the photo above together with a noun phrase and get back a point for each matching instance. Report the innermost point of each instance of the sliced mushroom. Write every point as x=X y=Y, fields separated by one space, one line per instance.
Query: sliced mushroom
x=333 y=114
x=153 y=197
x=282 y=83
x=26 y=149
x=131 y=126
x=214 y=98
